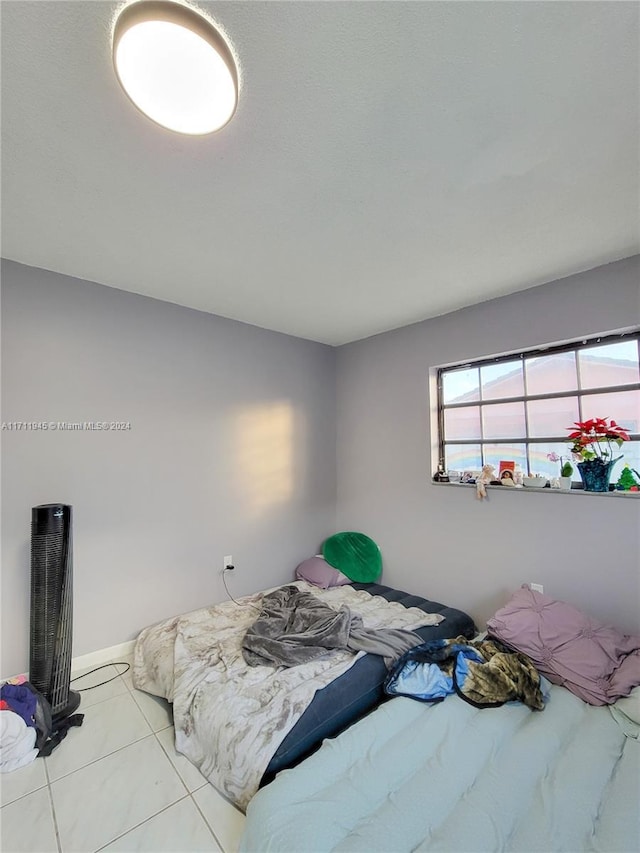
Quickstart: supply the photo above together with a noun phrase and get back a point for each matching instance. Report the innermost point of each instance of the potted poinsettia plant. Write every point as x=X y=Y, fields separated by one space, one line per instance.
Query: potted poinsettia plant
x=593 y=442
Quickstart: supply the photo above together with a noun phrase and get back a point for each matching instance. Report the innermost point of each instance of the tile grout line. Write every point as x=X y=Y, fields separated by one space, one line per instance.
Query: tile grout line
x=53 y=808
x=154 y=733
x=150 y=817
x=147 y=721
x=22 y=796
x=190 y=793
x=131 y=693
x=173 y=767
x=205 y=781
x=210 y=828
x=95 y=760
x=187 y=795
x=48 y=781
x=142 y=822
x=136 y=740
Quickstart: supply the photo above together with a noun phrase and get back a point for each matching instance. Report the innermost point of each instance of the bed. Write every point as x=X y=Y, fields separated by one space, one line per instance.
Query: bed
x=360 y=689
x=462 y=773
x=241 y=725
x=452 y=777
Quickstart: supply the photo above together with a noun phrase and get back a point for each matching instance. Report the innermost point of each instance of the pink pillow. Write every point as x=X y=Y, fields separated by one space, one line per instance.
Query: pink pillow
x=592 y=660
x=317 y=571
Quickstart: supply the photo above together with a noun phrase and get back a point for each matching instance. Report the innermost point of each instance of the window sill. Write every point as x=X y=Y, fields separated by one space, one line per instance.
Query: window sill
x=546 y=491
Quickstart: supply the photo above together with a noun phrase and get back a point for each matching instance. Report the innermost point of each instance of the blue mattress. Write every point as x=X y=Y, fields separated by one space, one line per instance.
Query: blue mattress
x=360 y=689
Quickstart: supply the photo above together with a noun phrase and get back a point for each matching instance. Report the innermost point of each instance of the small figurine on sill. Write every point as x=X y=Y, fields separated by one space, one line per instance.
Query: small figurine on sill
x=627 y=481
x=507 y=478
x=486 y=477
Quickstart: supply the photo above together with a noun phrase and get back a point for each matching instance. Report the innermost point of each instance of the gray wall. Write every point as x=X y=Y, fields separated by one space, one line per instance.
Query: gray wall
x=439 y=540
x=231 y=451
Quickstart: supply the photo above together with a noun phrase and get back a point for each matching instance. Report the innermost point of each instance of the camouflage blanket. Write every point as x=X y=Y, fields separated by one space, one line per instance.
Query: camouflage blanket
x=484 y=673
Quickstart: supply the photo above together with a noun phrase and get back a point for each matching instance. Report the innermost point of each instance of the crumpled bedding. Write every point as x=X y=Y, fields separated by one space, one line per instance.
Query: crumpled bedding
x=229 y=717
x=483 y=672
x=295 y=627
x=450 y=777
x=626 y=713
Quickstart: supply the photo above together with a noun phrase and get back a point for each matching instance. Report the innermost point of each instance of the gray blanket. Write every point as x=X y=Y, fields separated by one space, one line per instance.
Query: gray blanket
x=295 y=627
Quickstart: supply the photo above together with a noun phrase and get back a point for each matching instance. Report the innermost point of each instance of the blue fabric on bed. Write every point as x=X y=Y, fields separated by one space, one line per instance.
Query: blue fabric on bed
x=360 y=689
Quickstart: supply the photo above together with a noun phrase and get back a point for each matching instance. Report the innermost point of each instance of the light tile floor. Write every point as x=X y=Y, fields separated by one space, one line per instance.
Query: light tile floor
x=116 y=784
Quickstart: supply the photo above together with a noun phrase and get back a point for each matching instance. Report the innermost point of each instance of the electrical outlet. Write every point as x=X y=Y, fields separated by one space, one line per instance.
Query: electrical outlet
x=537 y=587
x=228 y=561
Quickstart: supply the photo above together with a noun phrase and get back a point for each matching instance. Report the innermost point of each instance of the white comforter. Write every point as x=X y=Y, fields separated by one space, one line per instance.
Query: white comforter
x=450 y=777
x=229 y=717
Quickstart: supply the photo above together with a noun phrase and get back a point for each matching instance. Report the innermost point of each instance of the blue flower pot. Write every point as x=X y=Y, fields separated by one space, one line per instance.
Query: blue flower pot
x=596 y=473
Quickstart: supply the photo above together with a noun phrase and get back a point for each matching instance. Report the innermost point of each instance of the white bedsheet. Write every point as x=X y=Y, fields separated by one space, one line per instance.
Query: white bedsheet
x=450 y=777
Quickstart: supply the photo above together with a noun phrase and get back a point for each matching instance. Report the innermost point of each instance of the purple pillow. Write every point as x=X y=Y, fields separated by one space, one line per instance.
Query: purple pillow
x=317 y=571
x=592 y=660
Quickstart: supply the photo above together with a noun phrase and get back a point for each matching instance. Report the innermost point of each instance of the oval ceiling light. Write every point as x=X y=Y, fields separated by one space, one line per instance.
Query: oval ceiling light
x=175 y=66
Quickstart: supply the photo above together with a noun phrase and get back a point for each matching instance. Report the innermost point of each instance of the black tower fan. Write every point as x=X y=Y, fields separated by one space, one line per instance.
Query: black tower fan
x=52 y=607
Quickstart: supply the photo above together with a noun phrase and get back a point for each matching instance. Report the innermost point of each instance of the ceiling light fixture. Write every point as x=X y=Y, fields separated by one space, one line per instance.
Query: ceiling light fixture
x=175 y=66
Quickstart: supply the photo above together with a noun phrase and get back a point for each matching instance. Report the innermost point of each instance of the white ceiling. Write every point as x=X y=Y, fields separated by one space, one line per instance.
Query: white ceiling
x=388 y=162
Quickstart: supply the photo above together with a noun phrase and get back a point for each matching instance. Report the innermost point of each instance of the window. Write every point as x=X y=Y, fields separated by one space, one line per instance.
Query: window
x=518 y=407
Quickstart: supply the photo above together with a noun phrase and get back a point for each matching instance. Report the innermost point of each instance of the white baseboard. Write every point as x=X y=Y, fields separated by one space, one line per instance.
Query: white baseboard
x=95 y=658
x=102 y=656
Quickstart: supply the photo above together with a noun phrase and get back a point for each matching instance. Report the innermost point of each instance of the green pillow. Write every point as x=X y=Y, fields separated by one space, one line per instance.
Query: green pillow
x=355 y=555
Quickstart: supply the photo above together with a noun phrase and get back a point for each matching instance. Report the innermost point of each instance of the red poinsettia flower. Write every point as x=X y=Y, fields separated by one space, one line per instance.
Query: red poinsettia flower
x=590 y=437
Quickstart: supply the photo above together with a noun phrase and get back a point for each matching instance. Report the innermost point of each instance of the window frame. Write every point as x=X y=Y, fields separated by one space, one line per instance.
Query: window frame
x=528 y=440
